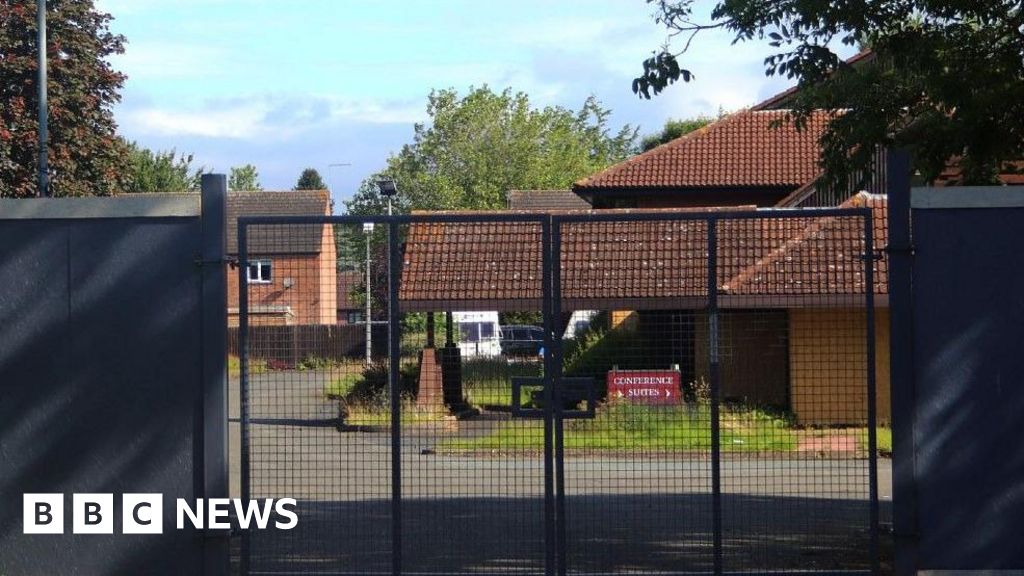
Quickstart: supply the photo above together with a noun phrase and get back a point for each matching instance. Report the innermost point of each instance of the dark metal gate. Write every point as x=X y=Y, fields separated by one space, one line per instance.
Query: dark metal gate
x=655 y=392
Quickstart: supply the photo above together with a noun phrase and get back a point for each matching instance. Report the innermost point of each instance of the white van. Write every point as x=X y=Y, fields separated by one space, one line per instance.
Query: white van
x=479 y=334
x=579 y=322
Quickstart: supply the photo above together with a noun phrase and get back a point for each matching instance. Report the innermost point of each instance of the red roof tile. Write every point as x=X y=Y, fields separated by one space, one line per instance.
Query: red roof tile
x=545 y=200
x=814 y=256
x=740 y=150
x=641 y=264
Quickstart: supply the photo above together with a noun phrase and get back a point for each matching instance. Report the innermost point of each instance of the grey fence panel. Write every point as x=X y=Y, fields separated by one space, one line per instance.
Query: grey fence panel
x=612 y=392
x=101 y=377
x=968 y=392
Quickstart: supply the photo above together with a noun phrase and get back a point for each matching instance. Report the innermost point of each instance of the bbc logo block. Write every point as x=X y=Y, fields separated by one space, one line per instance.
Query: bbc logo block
x=93 y=513
x=143 y=513
x=43 y=513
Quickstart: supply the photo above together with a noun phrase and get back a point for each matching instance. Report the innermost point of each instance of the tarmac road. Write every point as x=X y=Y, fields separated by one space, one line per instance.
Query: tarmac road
x=484 y=511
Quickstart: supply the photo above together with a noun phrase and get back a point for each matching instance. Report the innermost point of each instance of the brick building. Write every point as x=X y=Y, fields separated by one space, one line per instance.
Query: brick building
x=791 y=292
x=292 y=273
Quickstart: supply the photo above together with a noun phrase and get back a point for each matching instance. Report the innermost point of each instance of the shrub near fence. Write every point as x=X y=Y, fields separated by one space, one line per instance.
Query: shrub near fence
x=289 y=345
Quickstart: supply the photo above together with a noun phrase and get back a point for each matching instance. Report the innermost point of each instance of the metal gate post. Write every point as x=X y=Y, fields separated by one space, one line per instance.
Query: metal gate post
x=213 y=434
x=716 y=392
x=902 y=384
x=552 y=363
x=243 y=385
x=555 y=404
x=394 y=365
x=869 y=303
x=554 y=531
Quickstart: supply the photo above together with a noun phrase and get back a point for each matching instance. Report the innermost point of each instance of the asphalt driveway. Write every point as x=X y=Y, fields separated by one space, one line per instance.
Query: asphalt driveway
x=484 y=511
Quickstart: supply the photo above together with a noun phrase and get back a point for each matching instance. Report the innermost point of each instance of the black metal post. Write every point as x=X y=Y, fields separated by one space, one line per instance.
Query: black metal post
x=449 y=327
x=214 y=342
x=869 y=306
x=394 y=365
x=44 y=176
x=716 y=394
x=901 y=348
x=430 y=329
x=243 y=385
x=552 y=368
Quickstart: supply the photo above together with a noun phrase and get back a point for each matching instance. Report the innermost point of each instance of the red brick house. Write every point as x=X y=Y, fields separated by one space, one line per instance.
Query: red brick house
x=292 y=273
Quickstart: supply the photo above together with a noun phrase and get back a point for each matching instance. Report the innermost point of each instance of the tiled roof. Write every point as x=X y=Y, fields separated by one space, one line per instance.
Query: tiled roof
x=1012 y=174
x=290 y=239
x=639 y=264
x=545 y=200
x=740 y=150
x=784 y=99
x=465 y=266
x=814 y=256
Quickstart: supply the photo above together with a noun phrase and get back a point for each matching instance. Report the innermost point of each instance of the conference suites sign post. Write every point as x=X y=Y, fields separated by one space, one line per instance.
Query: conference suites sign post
x=656 y=387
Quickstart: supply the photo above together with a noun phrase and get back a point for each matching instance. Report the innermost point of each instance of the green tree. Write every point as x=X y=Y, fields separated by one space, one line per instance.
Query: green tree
x=477 y=147
x=244 y=178
x=945 y=78
x=674 y=129
x=160 y=171
x=310 y=180
x=85 y=157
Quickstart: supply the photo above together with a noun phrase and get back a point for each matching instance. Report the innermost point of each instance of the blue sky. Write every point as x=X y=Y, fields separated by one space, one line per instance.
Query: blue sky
x=290 y=84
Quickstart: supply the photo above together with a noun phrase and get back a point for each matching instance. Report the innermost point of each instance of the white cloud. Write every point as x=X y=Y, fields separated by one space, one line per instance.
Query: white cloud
x=263 y=116
x=240 y=122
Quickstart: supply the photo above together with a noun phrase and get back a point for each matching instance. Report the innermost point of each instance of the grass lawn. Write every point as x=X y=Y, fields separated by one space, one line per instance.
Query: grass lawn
x=340 y=387
x=883 y=438
x=256 y=366
x=488 y=381
x=630 y=427
x=380 y=414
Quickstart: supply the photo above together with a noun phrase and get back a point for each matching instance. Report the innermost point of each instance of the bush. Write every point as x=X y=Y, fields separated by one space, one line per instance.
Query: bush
x=598 y=350
x=316 y=363
x=372 y=384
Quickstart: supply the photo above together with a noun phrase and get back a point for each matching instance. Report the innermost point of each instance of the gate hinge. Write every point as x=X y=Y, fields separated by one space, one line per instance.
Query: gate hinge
x=229 y=260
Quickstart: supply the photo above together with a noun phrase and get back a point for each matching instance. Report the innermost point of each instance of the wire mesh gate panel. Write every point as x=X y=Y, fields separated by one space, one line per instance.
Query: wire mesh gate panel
x=589 y=393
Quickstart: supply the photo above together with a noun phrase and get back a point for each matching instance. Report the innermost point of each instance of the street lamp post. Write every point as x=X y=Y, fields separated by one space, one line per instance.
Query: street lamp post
x=368 y=229
x=44 y=167
x=388 y=189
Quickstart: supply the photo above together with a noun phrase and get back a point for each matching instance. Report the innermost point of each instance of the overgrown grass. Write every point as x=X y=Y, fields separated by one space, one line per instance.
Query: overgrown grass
x=488 y=381
x=343 y=386
x=256 y=366
x=626 y=426
x=883 y=439
x=377 y=412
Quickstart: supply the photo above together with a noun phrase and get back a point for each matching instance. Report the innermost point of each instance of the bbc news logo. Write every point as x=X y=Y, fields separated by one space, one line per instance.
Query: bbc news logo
x=143 y=513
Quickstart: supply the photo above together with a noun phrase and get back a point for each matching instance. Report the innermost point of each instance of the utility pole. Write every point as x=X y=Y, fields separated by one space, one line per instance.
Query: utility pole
x=330 y=173
x=368 y=229
x=44 y=178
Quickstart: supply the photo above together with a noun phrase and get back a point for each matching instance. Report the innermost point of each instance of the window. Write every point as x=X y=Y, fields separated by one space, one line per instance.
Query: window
x=476 y=331
x=469 y=332
x=486 y=330
x=260 y=272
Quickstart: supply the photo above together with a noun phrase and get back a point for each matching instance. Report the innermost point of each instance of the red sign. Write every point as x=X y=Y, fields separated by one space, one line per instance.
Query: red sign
x=645 y=386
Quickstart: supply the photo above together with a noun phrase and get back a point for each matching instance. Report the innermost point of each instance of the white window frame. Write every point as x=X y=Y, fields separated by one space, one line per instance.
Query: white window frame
x=261 y=265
